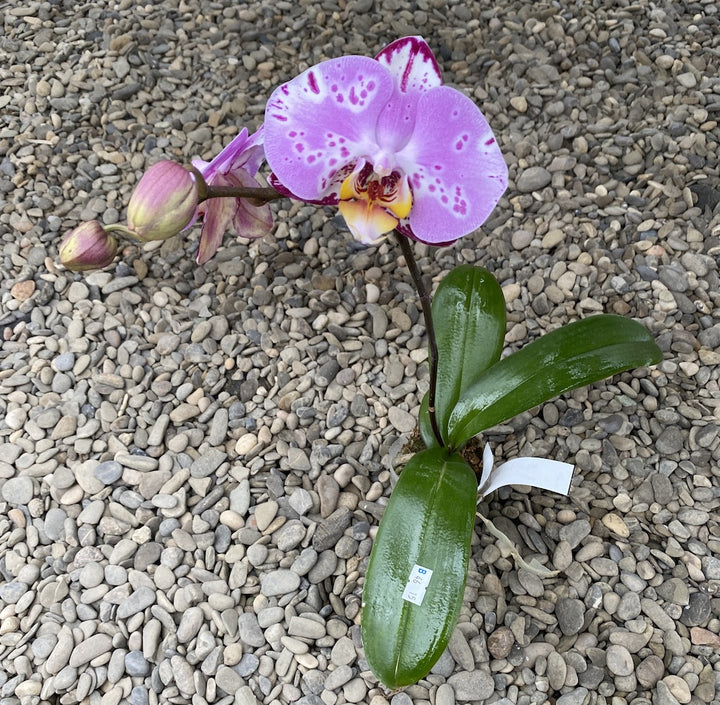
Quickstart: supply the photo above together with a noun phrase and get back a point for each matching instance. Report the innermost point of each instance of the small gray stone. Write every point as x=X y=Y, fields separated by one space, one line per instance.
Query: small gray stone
x=136 y=602
x=248 y=665
x=619 y=661
x=473 y=685
x=301 y=501
x=533 y=179
x=306 y=627
x=190 y=624
x=55 y=523
x=17 y=490
x=338 y=677
x=249 y=629
x=697 y=610
x=670 y=440
x=402 y=420
x=574 y=697
x=207 y=463
x=570 y=614
x=183 y=675
x=331 y=529
x=663 y=696
x=279 y=582
x=108 y=472
x=228 y=680
x=90 y=648
x=556 y=670
x=139 y=696
x=64 y=362
x=136 y=664
x=575 y=532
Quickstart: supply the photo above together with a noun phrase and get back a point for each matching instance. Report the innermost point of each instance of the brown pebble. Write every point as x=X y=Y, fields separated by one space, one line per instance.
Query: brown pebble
x=500 y=642
x=22 y=291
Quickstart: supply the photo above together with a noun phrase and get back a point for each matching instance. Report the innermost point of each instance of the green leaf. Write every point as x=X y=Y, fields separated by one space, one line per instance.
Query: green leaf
x=428 y=522
x=426 y=432
x=469 y=317
x=577 y=354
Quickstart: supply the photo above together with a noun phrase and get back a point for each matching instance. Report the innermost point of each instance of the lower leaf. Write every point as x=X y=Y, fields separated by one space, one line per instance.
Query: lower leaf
x=418 y=566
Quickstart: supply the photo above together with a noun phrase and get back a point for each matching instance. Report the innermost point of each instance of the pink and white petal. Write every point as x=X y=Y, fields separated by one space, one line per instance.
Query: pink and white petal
x=412 y=64
x=322 y=120
x=250 y=221
x=218 y=215
x=223 y=160
x=456 y=170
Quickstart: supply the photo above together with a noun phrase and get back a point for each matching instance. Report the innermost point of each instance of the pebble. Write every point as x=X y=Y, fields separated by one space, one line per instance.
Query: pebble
x=279 y=582
x=570 y=614
x=17 y=490
x=533 y=179
x=619 y=661
x=474 y=685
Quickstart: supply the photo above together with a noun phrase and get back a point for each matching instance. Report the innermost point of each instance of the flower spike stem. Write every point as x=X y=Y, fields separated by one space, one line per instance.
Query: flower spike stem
x=424 y=294
x=259 y=195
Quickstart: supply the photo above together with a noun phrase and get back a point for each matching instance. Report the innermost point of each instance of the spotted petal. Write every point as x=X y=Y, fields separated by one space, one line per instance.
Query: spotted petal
x=457 y=172
x=322 y=120
x=412 y=64
x=414 y=70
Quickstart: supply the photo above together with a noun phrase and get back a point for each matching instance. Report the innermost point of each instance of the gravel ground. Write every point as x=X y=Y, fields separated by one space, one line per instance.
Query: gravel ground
x=193 y=461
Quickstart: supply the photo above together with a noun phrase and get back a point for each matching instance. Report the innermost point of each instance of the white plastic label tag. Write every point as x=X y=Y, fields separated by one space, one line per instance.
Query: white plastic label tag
x=537 y=472
x=417 y=584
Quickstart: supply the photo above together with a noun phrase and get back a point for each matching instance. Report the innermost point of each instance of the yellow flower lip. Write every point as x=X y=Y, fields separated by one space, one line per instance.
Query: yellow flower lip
x=374 y=204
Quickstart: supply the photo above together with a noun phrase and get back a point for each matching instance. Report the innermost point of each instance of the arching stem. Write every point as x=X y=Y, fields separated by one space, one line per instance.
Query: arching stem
x=424 y=294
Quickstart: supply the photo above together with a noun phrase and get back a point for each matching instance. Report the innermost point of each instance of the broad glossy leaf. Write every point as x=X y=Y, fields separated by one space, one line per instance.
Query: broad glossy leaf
x=469 y=316
x=428 y=522
x=577 y=354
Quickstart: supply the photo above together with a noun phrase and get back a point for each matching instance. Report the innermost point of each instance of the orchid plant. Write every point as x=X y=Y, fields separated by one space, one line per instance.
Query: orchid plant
x=397 y=152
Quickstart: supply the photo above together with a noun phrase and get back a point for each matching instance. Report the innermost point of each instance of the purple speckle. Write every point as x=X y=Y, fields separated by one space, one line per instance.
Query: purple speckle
x=299 y=147
x=312 y=83
x=292 y=134
x=339 y=98
x=311 y=159
x=490 y=141
x=444 y=199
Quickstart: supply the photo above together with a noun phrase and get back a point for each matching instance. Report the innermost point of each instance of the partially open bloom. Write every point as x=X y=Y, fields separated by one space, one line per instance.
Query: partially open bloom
x=164 y=202
x=87 y=247
x=236 y=166
x=388 y=143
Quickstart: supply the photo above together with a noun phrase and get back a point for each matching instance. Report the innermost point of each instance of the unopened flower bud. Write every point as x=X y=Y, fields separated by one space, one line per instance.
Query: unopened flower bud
x=164 y=202
x=87 y=247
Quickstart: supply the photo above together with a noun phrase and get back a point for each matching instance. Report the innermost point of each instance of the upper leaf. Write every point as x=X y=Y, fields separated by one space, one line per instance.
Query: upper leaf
x=469 y=316
x=577 y=354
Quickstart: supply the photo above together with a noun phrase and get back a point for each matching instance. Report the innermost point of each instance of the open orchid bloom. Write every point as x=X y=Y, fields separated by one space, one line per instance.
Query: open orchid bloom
x=388 y=143
x=236 y=166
